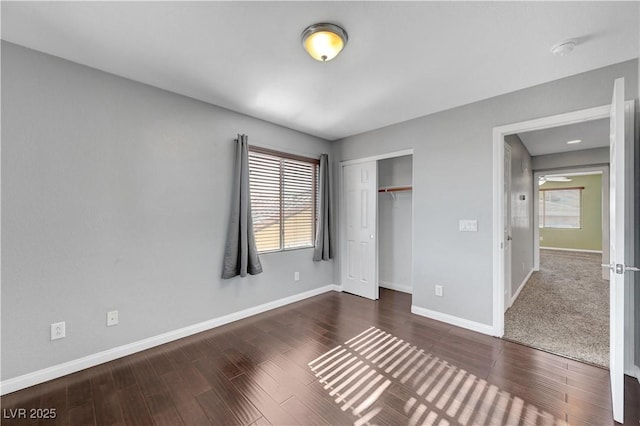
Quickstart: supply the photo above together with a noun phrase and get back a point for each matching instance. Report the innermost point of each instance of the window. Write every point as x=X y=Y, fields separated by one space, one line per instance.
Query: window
x=284 y=198
x=560 y=208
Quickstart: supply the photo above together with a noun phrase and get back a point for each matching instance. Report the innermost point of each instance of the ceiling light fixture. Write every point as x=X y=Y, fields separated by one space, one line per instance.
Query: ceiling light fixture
x=574 y=141
x=563 y=48
x=324 y=41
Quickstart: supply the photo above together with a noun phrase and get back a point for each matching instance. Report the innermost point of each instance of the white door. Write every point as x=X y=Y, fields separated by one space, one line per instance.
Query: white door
x=507 y=226
x=617 y=249
x=359 y=262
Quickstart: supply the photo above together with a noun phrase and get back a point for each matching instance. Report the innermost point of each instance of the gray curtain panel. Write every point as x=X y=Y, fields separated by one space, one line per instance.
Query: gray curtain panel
x=240 y=252
x=324 y=242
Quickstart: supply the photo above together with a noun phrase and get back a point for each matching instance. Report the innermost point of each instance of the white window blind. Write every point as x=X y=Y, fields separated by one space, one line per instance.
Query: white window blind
x=560 y=208
x=283 y=199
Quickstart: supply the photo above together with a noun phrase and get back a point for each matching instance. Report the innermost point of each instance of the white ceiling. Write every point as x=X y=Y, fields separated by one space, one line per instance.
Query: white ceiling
x=594 y=134
x=403 y=59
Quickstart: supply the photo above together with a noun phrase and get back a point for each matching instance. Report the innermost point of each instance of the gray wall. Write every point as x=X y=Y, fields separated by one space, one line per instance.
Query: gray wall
x=521 y=212
x=452 y=180
x=394 y=223
x=115 y=196
x=584 y=157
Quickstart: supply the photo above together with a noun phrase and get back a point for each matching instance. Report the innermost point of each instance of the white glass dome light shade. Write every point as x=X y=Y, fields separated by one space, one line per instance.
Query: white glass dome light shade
x=324 y=42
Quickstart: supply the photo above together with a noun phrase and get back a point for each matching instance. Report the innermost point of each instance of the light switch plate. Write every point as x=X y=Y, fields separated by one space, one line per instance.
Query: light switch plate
x=468 y=225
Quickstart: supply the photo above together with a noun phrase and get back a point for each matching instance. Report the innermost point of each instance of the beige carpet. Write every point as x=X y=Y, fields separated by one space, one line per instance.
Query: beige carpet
x=564 y=308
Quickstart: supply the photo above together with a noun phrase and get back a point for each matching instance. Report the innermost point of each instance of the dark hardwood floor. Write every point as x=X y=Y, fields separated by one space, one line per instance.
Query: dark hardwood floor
x=332 y=359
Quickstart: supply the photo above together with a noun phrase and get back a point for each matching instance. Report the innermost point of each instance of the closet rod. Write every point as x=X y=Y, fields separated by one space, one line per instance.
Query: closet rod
x=395 y=188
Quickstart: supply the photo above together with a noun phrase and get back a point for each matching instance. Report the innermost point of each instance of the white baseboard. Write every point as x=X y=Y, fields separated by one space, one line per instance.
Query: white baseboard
x=632 y=371
x=453 y=320
x=50 y=373
x=398 y=287
x=635 y=372
x=520 y=287
x=571 y=249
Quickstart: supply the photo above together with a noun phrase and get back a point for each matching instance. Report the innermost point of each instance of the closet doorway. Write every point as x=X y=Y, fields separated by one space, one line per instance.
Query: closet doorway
x=395 y=223
x=376 y=216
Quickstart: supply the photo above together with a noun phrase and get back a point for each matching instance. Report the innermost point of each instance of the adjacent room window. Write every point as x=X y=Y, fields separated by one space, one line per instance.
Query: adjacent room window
x=284 y=206
x=561 y=208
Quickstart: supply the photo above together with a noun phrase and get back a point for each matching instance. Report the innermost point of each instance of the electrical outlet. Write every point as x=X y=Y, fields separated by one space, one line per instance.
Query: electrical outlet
x=468 y=225
x=439 y=290
x=58 y=330
x=296 y=276
x=112 y=318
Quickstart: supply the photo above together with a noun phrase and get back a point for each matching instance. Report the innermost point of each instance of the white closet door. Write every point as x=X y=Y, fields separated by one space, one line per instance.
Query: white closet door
x=359 y=262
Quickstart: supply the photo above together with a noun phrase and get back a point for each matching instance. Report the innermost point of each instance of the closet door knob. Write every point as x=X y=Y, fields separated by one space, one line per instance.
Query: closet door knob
x=371 y=236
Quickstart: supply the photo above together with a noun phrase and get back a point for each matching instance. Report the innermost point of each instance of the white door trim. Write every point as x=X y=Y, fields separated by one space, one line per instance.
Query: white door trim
x=377 y=157
x=499 y=133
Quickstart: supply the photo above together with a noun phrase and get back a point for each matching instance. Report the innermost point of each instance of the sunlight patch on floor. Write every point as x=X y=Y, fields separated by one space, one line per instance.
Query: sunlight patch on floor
x=375 y=366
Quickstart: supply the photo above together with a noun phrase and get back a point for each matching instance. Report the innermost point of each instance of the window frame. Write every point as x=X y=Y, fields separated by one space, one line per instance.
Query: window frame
x=542 y=206
x=282 y=156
